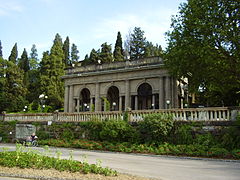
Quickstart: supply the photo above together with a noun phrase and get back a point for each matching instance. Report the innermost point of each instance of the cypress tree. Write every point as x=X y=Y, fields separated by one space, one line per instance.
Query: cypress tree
x=52 y=69
x=23 y=62
x=1 y=54
x=14 y=54
x=33 y=59
x=74 y=54
x=106 y=53
x=66 y=46
x=118 y=50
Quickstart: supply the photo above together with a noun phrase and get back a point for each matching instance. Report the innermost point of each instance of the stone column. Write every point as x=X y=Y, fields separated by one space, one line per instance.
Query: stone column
x=91 y=103
x=97 y=98
x=136 y=102
x=175 y=92
x=70 y=106
x=78 y=104
x=66 y=99
x=127 y=94
x=161 y=93
x=167 y=92
x=153 y=101
x=120 y=103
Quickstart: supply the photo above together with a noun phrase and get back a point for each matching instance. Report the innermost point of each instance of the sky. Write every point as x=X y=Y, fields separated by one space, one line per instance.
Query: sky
x=87 y=23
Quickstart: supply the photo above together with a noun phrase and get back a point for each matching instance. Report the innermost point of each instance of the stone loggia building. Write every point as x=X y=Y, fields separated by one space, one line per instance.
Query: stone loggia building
x=136 y=84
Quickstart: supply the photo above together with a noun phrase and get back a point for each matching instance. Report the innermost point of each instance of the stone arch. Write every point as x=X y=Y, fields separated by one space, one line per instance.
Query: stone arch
x=144 y=93
x=85 y=96
x=142 y=82
x=113 y=97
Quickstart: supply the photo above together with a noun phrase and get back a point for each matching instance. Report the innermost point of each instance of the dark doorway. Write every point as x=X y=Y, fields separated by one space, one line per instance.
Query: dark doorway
x=85 y=100
x=144 y=96
x=113 y=98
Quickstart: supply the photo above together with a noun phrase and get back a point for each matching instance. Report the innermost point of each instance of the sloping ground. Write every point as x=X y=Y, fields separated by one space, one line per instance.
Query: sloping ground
x=51 y=174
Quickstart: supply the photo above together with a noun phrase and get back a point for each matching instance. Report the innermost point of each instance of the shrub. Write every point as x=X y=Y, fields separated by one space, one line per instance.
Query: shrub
x=155 y=127
x=236 y=153
x=182 y=134
x=117 y=131
x=231 y=137
x=217 y=152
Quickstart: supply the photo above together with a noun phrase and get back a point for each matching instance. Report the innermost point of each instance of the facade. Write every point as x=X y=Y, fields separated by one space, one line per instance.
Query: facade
x=136 y=84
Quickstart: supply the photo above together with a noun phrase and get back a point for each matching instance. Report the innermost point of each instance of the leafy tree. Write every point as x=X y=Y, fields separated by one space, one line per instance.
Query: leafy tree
x=118 y=50
x=23 y=62
x=204 y=47
x=74 y=54
x=106 y=53
x=33 y=59
x=12 y=90
x=1 y=54
x=66 y=49
x=151 y=50
x=137 y=43
x=14 y=54
x=93 y=58
x=52 y=69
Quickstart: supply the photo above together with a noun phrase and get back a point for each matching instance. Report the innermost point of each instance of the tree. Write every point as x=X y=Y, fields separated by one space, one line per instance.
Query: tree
x=1 y=54
x=12 y=90
x=74 y=54
x=93 y=58
x=66 y=49
x=52 y=69
x=33 y=59
x=151 y=50
x=204 y=46
x=106 y=53
x=23 y=62
x=137 y=43
x=14 y=54
x=118 y=50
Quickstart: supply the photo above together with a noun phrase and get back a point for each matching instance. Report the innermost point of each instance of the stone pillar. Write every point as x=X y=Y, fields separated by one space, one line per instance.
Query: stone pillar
x=120 y=103
x=78 y=104
x=167 y=92
x=153 y=101
x=91 y=103
x=175 y=90
x=70 y=106
x=161 y=94
x=66 y=99
x=136 y=102
x=127 y=95
x=97 y=98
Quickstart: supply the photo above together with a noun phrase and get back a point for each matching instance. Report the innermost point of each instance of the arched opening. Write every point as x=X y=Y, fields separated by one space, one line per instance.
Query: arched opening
x=144 y=96
x=85 y=100
x=113 y=98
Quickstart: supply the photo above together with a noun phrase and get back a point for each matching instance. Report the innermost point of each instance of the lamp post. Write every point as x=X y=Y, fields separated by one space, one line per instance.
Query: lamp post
x=168 y=103
x=85 y=106
x=114 y=105
x=153 y=106
x=42 y=99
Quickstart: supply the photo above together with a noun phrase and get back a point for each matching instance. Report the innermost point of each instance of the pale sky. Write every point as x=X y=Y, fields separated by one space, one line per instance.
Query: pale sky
x=88 y=23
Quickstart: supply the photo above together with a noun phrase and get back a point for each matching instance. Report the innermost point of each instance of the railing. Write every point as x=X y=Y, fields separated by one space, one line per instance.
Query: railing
x=189 y=114
x=114 y=65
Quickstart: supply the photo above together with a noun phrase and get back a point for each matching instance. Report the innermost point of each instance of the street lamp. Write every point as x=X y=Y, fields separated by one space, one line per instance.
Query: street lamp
x=42 y=99
x=153 y=106
x=168 y=103
x=114 y=105
x=85 y=106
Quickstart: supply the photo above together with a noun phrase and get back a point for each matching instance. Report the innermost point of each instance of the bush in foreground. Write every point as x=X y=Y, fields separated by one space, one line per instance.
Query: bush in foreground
x=32 y=159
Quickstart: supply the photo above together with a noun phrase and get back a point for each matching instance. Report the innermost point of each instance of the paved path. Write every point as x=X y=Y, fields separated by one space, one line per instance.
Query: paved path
x=159 y=167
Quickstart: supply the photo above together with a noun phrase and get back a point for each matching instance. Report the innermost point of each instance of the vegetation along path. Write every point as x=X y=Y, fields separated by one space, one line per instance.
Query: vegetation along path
x=157 y=167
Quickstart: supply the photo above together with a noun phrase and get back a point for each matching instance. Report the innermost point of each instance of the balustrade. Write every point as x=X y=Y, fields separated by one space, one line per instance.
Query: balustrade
x=188 y=114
